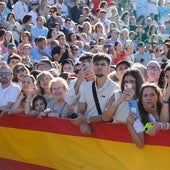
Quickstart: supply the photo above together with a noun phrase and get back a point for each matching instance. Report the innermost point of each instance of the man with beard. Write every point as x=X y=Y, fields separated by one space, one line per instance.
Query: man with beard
x=8 y=90
x=105 y=87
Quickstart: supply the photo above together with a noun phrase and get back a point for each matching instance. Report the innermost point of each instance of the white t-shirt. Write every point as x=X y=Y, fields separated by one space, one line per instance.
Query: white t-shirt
x=9 y=94
x=104 y=93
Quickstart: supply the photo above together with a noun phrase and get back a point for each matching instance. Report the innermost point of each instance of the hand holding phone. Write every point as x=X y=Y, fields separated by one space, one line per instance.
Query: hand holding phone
x=133 y=108
x=127 y=86
x=85 y=65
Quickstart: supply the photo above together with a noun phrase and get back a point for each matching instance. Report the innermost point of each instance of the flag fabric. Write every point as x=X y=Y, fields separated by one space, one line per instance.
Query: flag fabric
x=29 y=143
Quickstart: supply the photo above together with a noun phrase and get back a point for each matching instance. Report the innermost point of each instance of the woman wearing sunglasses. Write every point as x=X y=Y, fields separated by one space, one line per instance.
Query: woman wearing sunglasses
x=19 y=72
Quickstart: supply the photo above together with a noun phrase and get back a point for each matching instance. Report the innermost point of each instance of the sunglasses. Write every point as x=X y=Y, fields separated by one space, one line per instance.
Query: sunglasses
x=153 y=68
x=5 y=73
x=76 y=49
x=21 y=69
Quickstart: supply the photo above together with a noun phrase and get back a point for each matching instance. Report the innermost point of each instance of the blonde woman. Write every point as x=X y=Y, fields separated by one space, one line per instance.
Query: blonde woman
x=87 y=28
x=98 y=32
x=58 y=107
x=8 y=38
x=124 y=35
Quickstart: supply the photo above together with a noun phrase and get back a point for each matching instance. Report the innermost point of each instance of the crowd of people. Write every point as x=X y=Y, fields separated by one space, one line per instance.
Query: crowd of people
x=88 y=61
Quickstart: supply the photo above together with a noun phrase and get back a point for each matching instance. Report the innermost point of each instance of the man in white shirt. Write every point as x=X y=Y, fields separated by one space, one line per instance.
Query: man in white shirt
x=8 y=91
x=20 y=9
x=85 y=74
x=105 y=87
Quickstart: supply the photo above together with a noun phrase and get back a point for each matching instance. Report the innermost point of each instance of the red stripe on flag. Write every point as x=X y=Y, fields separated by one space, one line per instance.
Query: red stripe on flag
x=107 y=131
x=6 y=164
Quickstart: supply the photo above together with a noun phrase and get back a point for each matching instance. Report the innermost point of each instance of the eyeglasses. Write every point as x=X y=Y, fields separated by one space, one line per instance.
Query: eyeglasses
x=21 y=69
x=5 y=73
x=24 y=35
x=57 y=89
x=52 y=11
x=76 y=49
x=153 y=68
x=26 y=48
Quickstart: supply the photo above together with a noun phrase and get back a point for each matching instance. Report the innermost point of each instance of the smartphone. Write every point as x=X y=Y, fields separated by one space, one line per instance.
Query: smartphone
x=127 y=86
x=133 y=108
x=148 y=127
x=85 y=65
x=73 y=116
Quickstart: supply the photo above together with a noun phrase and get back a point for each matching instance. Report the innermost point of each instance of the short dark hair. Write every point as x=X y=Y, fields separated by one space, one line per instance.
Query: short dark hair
x=39 y=97
x=26 y=18
x=40 y=39
x=102 y=56
x=85 y=56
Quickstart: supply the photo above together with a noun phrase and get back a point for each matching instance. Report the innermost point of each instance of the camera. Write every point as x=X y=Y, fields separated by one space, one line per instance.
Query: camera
x=85 y=65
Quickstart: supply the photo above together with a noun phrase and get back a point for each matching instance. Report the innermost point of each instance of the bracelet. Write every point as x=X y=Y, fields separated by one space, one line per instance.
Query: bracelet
x=161 y=125
x=166 y=101
x=166 y=126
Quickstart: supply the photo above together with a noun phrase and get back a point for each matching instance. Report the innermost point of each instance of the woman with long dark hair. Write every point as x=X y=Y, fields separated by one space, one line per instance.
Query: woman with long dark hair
x=150 y=105
x=130 y=86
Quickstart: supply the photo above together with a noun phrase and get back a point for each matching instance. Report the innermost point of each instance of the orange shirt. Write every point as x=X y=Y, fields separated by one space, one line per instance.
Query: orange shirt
x=120 y=58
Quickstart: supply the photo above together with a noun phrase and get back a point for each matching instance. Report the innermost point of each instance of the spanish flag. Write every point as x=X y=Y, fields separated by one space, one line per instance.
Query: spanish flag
x=29 y=143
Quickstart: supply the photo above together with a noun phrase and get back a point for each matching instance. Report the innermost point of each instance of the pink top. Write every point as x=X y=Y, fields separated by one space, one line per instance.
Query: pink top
x=20 y=46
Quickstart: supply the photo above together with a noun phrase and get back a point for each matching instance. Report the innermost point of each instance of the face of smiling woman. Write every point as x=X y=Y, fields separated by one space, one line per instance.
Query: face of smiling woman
x=58 y=91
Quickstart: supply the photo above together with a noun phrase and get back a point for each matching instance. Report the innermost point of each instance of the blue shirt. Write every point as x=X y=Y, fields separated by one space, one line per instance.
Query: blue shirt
x=38 y=31
x=36 y=56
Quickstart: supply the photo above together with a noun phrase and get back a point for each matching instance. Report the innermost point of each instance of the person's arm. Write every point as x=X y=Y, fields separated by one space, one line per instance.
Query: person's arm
x=138 y=138
x=28 y=101
x=164 y=116
x=80 y=78
x=16 y=106
x=80 y=112
x=27 y=108
x=71 y=97
x=110 y=111
x=6 y=109
x=33 y=113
